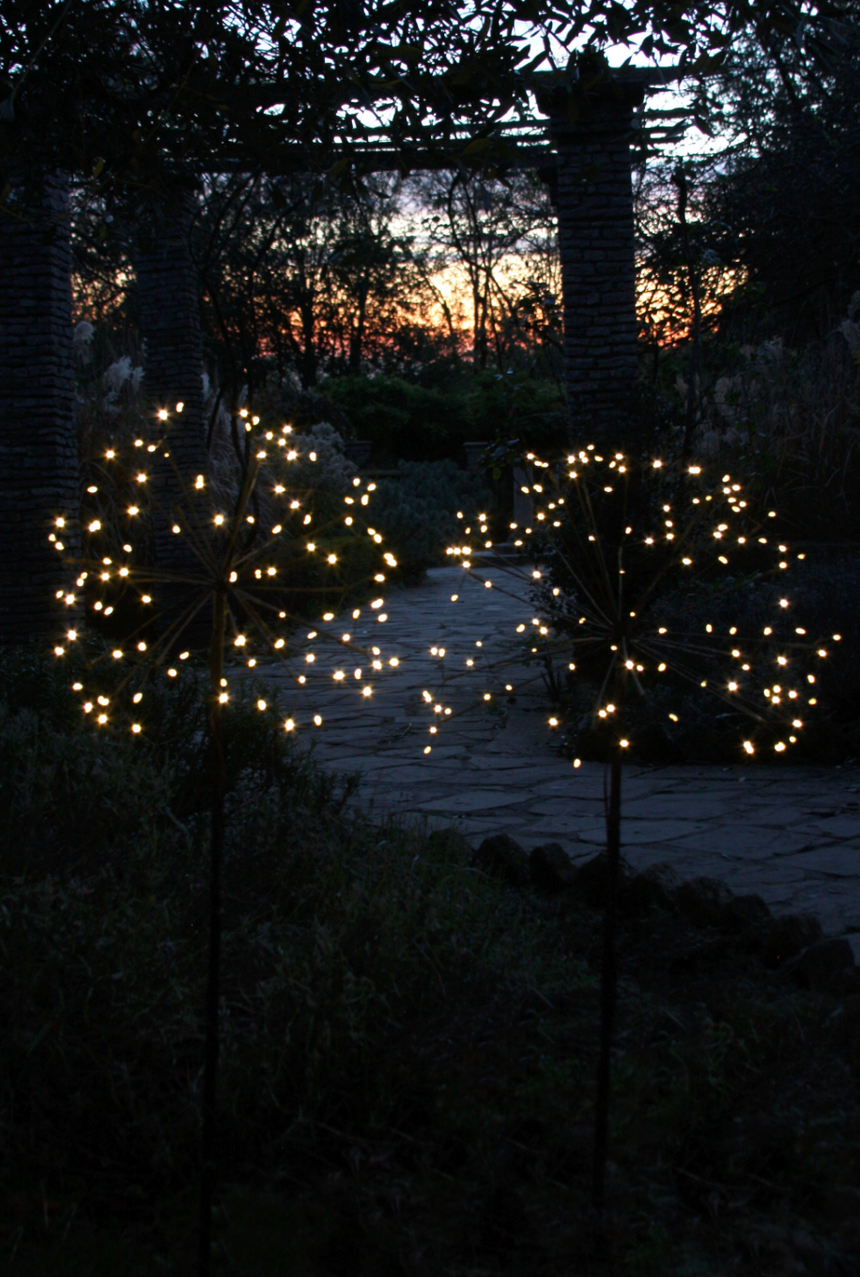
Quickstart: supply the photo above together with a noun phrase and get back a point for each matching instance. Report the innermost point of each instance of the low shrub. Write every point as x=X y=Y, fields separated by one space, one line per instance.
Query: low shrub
x=413 y=422
x=417 y=512
x=73 y=798
x=343 y=943
x=504 y=405
x=408 y=1043
x=403 y=421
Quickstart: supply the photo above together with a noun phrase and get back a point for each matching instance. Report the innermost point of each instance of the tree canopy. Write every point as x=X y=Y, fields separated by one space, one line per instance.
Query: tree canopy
x=128 y=91
x=784 y=206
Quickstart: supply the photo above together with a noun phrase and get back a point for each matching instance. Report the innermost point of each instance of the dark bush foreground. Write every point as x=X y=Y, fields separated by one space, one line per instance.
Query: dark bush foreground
x=409 y=1039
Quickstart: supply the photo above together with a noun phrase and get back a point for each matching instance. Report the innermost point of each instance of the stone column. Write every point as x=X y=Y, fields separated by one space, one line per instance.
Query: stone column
x=591 y=129
x=169 y=309
x=39 y=480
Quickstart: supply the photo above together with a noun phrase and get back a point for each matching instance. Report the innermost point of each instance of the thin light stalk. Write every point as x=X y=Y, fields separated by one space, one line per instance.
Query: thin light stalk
x=608 y=982
x=216 y=855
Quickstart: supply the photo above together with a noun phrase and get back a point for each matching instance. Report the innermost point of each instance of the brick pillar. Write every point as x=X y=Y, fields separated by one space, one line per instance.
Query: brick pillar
x=596 y=242
x=38 y=440
x=169 y=309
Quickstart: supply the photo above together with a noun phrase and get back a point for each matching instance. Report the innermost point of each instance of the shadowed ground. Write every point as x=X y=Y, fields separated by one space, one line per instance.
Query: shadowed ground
x=790 y=834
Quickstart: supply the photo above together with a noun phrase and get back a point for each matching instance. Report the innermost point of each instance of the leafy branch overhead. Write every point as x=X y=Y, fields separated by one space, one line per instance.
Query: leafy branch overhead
x=130 y=93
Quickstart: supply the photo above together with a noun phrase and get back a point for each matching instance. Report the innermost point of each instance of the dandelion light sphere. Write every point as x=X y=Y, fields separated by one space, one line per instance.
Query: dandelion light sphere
x=613 y=589
x=234 y=559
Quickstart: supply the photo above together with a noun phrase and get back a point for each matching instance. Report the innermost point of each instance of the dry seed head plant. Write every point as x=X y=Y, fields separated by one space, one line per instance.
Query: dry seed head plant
x=789 y=419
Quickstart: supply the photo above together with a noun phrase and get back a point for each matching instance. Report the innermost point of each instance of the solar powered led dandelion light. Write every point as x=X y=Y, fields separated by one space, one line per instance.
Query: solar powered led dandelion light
x=236 y=577
x=270 y=580
x=622 y=537
x=619 y=541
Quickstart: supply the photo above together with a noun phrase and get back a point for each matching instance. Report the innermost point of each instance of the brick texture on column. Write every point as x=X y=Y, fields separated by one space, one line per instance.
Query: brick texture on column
x=169 y=307
x=169 y=304
x=39 y=466
x=597 y=250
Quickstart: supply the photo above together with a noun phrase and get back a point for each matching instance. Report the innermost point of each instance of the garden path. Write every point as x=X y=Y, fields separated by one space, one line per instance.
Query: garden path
x=792 y=834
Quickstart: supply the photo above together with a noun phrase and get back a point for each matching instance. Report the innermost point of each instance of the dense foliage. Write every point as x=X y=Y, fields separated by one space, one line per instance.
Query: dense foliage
x=133 y=90
x=407 y=1043
x=419 y=422
x=417 y=511
x=767 y=243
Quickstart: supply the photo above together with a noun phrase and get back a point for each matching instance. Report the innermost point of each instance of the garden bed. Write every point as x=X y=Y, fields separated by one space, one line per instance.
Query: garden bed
x=409 y=1041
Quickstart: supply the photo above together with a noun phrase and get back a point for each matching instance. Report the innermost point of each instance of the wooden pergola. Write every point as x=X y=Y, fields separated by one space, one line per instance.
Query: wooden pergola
x=583 y=152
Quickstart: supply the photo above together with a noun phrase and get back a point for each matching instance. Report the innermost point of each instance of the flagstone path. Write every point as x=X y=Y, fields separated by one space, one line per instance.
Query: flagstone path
x=792 y=834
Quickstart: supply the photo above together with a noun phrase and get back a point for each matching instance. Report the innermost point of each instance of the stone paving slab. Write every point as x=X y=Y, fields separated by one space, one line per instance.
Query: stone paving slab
x=747 y=844
x=637 y=831
x=838 y=862
x=792 y=834
x=841 y=827
x=471 y=801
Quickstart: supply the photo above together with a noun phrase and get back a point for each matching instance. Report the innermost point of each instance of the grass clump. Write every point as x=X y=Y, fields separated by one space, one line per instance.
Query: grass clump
x=407 y=1044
